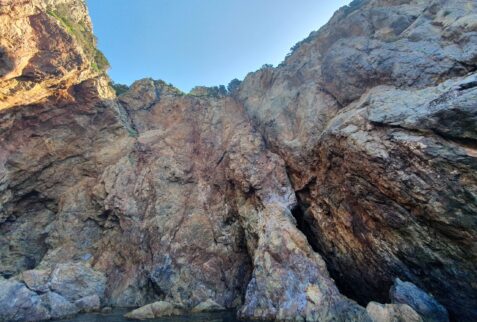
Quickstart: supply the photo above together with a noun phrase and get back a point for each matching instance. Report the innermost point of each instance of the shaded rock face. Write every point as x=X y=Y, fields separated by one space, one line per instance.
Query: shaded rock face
x=420 y=301
x=374 y=117
x=354 y=159
x=392 y=313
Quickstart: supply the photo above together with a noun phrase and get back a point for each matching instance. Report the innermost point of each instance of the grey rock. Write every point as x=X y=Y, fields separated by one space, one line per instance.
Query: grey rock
x=106 y=309
x=75 y=281
x=89 y=303
x=18 y=303
x=424 y=304
x=58 y=306
x=207 y=306
x=392 y=313
x=368 y=126
x=155 y=310
x=36 y=280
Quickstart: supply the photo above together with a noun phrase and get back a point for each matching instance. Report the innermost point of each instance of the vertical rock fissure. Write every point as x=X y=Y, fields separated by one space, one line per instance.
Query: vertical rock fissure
x=305 y=223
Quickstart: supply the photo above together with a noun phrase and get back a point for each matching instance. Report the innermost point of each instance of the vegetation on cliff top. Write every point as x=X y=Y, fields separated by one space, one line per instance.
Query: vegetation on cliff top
x=83 y=35
x=119 y=88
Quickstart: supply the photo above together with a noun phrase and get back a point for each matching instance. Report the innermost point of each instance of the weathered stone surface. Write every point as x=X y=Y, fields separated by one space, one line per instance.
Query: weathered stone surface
x=356 y=155
x=155 y=310
x=39 y=57
x=392 y=313
x=36 y=280
x=18 y=303
x=89 y=303
x=420 y=301
x=289 y=278
x=58 y=306
x=142 y=313
x=374 y=116
x=207 y=306
x=75 y=281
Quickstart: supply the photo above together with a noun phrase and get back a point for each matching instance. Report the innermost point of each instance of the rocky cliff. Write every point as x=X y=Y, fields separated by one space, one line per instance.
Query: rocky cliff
x=303 y=194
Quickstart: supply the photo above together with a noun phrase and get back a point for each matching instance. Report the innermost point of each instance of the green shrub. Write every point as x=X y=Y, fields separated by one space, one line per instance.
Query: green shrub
x=233 y=86
x=83 y=36
x=119 y=88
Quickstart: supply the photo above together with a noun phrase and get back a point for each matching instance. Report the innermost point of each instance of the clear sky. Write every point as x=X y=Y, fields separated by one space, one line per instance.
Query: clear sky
x=201 y=42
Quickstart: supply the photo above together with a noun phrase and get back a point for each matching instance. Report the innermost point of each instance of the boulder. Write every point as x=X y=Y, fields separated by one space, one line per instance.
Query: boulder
x=143 y=313
x=106 y=309
x=208 y=306
x=36 y=280
x=75 y=281
x=155 y=310
x=423 y=303
x=392 y=313
x=89 y=303
x=18 y=303
x=58 y=306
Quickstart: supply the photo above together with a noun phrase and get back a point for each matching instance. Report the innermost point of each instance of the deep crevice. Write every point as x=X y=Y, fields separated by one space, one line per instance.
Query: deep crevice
x=305 y=226
x=344 y=282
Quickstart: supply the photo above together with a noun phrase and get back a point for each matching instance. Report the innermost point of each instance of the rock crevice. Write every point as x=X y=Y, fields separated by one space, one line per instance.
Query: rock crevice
x=313 y=184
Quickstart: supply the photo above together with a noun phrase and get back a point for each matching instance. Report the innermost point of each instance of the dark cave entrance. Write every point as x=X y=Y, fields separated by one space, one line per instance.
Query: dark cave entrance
x=344 y=280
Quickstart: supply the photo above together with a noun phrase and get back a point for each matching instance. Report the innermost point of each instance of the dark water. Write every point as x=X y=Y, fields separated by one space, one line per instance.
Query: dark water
x=117 y=316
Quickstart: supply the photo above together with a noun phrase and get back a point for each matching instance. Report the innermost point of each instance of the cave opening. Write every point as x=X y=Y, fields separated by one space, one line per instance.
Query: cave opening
x=345 y=281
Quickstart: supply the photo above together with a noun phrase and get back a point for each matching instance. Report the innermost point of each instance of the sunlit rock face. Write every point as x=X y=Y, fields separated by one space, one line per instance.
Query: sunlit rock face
x=355 y=160
x=46 y=46
x=375 y=117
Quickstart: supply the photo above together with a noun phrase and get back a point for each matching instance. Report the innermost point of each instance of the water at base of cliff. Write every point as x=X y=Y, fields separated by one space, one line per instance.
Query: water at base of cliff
x=117 y=315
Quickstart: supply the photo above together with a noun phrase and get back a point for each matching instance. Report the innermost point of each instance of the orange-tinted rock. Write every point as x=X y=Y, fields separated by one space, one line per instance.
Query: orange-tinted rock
x=356 y=155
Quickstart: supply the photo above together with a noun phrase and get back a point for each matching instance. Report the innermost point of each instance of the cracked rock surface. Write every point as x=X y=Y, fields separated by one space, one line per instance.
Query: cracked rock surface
x=302 y=195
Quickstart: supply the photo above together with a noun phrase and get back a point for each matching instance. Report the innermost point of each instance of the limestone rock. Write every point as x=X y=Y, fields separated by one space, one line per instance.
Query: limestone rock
x=36 y=280
x=75 y=281
x=142 y=313
x=89 y=303
x=289 y=279
x=58 y=306
x=155 y=310
x=420 y=301
x=18 y=303
x=43 y=49
x=353 y=161
x=392 y=313
x=379 y=146
x=207 y=306
x=106 y=309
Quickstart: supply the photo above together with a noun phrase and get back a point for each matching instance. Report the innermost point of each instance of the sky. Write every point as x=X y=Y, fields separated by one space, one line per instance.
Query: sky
x=201 y=42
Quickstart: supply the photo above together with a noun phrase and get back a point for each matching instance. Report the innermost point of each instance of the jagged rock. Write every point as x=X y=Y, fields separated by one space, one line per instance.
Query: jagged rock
x=106 y=310
x=420 y=301
x=360 y=147
x=374 y=116
x=38 y=56
x=18 y=303
x=392 y=313
x=289 y=279
x=58 y=306
x=36 y=280
x=89 y=303
x=75 y=281
x=155 y=310
x=142 y=313
x=207 y=306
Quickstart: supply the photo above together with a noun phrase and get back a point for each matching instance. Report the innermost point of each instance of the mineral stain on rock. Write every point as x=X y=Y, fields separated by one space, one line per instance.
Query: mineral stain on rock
x=338 y=186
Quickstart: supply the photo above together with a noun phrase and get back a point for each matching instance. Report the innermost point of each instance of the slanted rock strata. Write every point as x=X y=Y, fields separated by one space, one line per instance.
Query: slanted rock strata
x=302 y=194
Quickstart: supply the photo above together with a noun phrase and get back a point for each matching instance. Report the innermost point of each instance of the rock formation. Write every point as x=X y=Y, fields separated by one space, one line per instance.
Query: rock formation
x=307 y=190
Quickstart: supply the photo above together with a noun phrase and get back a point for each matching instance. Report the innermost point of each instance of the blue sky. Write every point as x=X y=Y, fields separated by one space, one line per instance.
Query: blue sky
x=201 y=42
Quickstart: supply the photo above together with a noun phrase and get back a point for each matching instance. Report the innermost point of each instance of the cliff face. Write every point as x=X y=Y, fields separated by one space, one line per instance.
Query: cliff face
x=356 y=156
x=374 y=116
